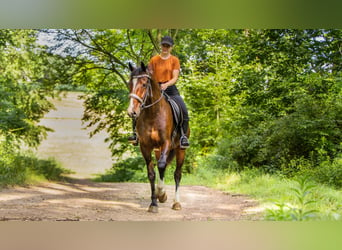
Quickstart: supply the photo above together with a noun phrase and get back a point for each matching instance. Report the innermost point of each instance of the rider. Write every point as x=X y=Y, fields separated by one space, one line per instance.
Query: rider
x=165 y=69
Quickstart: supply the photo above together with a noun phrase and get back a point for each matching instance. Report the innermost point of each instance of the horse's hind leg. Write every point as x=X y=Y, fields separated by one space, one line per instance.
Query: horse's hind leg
x=180 y=155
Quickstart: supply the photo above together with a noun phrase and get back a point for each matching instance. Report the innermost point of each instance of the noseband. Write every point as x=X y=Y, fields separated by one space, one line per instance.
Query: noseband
x=147 y=93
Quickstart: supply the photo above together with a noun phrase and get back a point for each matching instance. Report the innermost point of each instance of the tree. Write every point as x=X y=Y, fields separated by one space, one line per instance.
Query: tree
x=24 y=87
x=268 y=96
x=288 y=90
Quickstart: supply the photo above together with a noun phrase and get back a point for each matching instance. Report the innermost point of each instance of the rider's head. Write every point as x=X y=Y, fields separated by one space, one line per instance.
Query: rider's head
x=167 y=41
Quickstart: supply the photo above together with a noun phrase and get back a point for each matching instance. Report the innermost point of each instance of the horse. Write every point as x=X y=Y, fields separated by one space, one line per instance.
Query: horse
x=154 y=128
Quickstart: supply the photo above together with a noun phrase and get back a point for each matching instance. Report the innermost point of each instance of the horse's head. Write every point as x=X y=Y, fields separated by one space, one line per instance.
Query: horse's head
x=140 y=88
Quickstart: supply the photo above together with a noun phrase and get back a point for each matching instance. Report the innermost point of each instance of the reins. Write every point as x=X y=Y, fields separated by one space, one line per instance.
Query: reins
x=143 y=106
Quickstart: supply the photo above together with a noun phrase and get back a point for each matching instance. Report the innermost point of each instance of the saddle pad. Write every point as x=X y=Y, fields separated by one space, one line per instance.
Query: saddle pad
x=176 y=110
x=177 y=116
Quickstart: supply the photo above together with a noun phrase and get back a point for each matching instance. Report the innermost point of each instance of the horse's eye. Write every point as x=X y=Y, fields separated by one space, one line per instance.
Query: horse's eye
x=144 y=85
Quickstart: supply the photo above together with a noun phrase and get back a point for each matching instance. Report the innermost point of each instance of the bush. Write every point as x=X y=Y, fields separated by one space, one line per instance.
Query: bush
x=308 y=134
x=299 y=209
x=18 y=168
x=221 y=157
x=132 y=169
x=10 y=173
x=327 y=172
x=48 y=168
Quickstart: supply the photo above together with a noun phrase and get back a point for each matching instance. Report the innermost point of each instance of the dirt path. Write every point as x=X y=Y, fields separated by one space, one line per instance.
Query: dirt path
x=87 y=201
x=80 y=199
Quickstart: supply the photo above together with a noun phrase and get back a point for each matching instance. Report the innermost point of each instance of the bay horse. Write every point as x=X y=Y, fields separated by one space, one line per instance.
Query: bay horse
x=154 y=127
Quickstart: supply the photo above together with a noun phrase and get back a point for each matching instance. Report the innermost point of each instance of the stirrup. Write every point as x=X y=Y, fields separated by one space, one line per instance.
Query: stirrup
x=184 y=142
x=133 y=139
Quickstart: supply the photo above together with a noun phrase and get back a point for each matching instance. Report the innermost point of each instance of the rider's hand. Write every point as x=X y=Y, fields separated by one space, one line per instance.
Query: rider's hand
x=164 y=86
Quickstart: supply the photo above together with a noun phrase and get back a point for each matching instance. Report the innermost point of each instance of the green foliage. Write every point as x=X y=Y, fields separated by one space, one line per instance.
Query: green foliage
x=129 y=170
x=106 y=109
x=19 y=168
x=49 y=168
x=27 y=78
x=10 y=173
x=327 y=172
x=24 y=87
x=300 y=209
x=205 y=95
x=276 y=110
x=311 y=126
x=22 y=107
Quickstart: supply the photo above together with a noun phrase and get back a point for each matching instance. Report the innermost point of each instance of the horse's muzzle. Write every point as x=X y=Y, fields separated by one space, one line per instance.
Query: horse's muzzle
x=132 y=113
x=133 y=110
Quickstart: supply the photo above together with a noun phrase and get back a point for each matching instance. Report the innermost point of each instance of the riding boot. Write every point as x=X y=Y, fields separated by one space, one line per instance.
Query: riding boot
x=184 y=142
x=134 y=137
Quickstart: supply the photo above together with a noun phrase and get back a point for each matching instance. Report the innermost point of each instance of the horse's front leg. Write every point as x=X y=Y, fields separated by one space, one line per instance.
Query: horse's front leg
x=162 y=159
x=162 y=163
x=153 y=208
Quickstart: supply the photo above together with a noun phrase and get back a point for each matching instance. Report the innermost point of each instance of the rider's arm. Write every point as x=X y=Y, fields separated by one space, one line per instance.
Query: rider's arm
x=175 y=74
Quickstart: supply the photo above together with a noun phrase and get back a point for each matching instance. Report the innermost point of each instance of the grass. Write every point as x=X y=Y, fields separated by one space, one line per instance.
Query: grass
x=274 y=193
x=25 y=168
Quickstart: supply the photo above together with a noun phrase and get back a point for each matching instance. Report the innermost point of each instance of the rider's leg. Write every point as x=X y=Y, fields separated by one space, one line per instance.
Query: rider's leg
x=184 y=139
x=184 y=142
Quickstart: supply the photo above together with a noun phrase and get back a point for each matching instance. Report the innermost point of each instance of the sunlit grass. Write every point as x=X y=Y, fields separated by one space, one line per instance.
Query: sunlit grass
x=25 y=168
x=270 y=190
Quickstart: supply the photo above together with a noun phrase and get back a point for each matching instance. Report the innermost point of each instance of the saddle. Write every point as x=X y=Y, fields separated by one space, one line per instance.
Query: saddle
x=177 y=116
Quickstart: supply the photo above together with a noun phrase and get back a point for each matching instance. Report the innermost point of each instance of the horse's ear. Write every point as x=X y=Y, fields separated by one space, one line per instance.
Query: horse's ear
x=143 y=67
x=131 y=68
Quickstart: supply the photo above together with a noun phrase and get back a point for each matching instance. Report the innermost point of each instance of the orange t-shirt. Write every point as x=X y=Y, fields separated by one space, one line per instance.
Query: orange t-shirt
x=163 y=68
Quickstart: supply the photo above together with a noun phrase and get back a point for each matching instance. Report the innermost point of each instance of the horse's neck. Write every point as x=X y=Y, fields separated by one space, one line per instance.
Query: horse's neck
x=154 y=98
x=157 y=115
x=156 y=93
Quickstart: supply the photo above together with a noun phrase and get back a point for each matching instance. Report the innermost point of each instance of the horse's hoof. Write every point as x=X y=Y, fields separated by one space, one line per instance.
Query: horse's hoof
x=153 y=209
x=176 y=206
x=162 y=198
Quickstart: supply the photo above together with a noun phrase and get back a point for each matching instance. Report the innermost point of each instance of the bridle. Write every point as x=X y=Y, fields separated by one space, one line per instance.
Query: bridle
x=147 y=93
